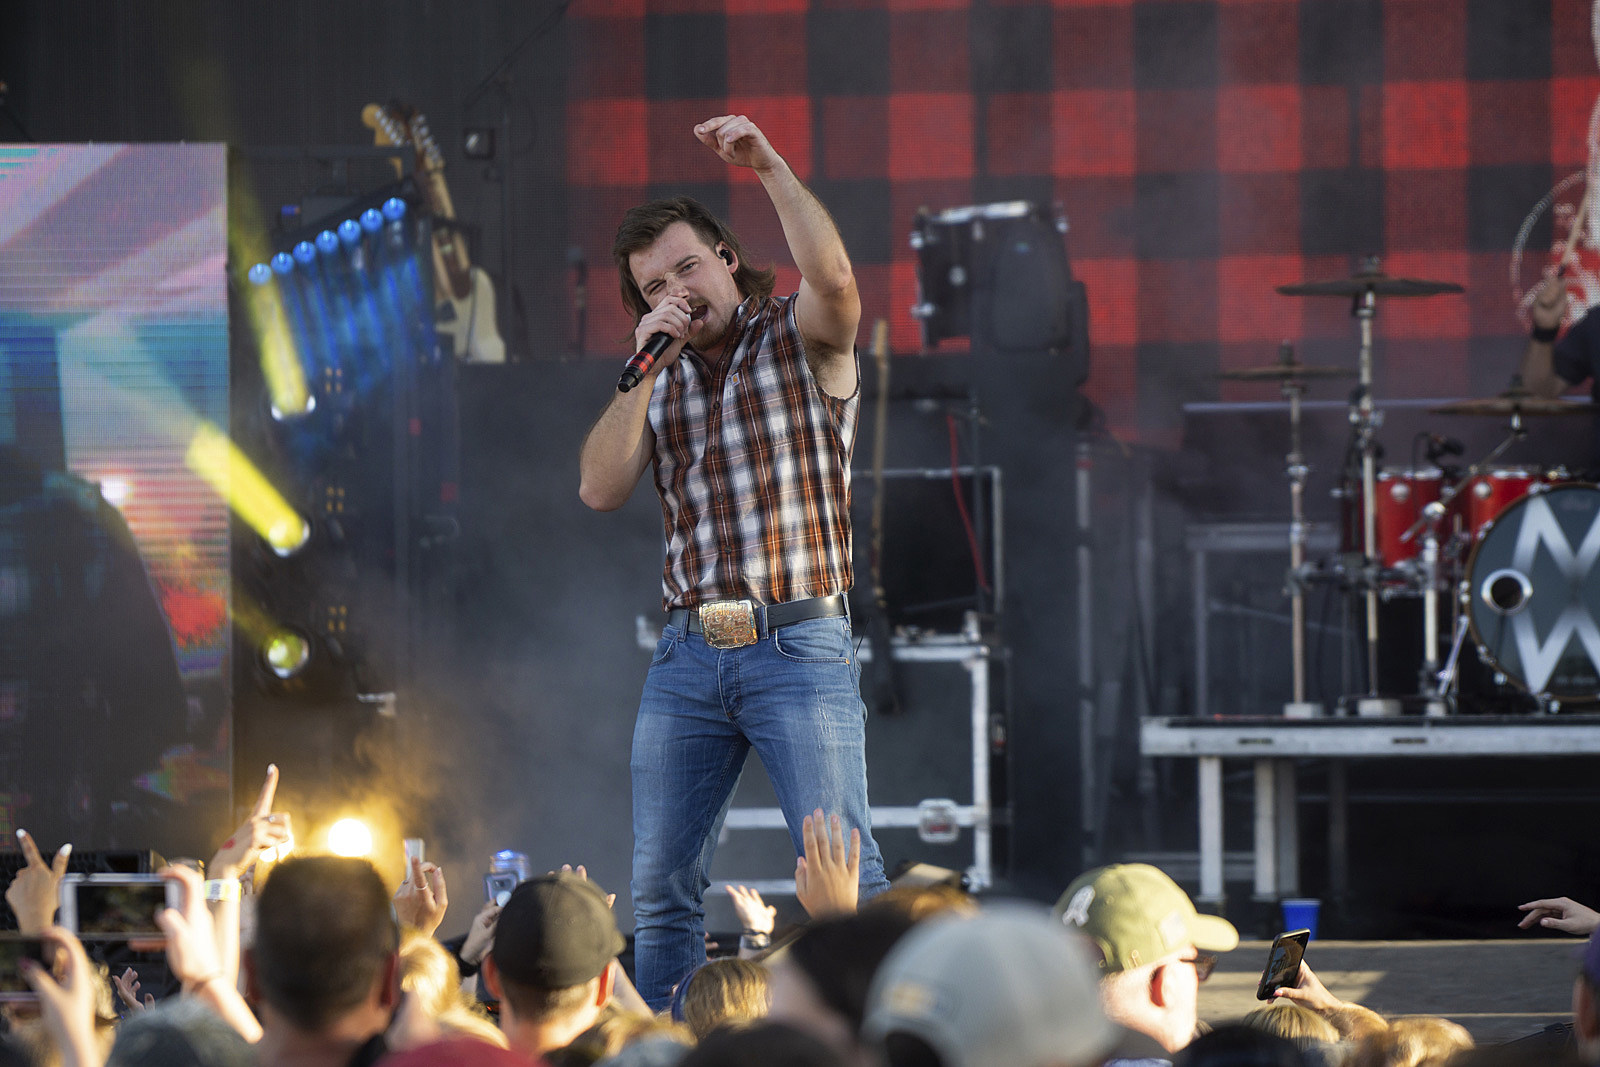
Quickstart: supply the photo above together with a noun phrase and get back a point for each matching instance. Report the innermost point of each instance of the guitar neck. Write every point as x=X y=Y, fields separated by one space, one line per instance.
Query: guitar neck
x=438 y=194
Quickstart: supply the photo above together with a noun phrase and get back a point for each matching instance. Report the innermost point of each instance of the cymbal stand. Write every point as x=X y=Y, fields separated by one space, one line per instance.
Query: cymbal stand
x=1366 y=421
x=1296 y=470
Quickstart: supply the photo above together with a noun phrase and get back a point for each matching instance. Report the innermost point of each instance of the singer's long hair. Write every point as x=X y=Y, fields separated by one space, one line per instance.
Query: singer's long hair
x=643 y=224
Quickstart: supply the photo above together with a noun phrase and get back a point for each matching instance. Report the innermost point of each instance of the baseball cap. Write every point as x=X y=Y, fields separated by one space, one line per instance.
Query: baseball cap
x=555 y=931
x=1137 y=915
x=1005 y=988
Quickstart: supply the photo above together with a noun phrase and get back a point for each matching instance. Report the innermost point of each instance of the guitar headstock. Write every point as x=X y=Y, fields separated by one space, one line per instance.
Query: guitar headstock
x=428 y=155
x=390 y=123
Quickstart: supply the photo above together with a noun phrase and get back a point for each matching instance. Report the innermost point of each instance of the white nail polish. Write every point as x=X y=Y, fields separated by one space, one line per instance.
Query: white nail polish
x=66 y=850
x=21 y=834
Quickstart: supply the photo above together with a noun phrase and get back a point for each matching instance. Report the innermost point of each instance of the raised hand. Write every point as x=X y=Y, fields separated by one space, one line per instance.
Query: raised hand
x=127 y=986
x=33 y=893
x=208 y=969
x=67 y=1000
x=1310 y=992
x=422 y=901
x=1560 y=913
x=583 y=872
x=265 y=829
x=191 y=945
x=480 y=934
x=827 y=879
x=756 y=916
x=737 y=140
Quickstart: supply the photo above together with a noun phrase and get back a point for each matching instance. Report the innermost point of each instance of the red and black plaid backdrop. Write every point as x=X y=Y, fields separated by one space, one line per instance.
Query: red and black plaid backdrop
x=1203 y=150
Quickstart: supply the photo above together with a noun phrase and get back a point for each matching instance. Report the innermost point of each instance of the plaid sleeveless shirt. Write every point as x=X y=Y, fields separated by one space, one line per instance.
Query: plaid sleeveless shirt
x=752 y=464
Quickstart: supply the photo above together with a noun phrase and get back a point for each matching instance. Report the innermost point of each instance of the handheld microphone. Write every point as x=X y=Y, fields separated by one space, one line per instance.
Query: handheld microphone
x=642 y=361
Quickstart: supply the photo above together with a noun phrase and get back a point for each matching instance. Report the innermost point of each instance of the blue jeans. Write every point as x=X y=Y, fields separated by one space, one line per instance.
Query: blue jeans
x=792 y=696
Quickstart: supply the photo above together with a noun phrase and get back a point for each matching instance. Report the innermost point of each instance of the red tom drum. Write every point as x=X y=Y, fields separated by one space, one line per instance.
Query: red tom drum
x=1483 y=498
x=1400 y=495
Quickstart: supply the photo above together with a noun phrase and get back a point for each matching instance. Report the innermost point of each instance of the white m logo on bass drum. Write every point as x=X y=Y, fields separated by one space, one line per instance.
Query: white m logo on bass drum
x=1540 y=527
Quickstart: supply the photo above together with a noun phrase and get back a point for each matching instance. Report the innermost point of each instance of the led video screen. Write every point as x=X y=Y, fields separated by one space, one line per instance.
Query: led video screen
x=114 y=596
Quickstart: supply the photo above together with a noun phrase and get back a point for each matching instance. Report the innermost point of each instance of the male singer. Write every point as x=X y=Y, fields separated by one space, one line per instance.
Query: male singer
x=748 y=417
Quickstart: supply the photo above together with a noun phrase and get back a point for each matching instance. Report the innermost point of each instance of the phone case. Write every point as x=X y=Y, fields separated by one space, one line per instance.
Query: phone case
x=1283 y=962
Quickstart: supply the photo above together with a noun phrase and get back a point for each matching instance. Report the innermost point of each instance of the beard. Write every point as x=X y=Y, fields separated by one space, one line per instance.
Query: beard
x=711 y=333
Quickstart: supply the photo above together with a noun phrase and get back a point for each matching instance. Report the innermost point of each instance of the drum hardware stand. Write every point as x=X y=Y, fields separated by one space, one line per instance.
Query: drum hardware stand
x=1433 y=702
x=1364 y=287
x=1436 y=683
x=1445 y=680
x=1292 y=378
x=1296 y=470
x=1366 y=420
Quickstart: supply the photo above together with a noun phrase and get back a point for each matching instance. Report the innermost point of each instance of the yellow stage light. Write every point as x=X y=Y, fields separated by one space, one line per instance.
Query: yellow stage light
x=286 y=653
x=280 y=358
x=349 y=837
x=215 y=458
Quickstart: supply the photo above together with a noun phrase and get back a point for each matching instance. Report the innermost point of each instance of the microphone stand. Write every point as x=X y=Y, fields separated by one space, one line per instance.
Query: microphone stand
x=500 y=79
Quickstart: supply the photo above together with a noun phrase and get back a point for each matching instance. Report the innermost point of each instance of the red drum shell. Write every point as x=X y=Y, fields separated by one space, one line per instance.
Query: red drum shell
x=1484 y=497
x=1400 y=497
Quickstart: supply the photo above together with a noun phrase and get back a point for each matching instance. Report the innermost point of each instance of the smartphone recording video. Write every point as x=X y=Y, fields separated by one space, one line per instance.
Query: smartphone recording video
x=13 y=950
x=117 y=907
x=1283 y=963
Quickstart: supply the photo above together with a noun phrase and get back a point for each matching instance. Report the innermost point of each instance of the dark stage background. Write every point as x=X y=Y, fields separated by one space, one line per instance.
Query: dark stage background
x=1203 y=152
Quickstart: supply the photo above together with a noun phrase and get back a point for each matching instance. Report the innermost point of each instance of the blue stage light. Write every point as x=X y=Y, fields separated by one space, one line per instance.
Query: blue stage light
x=305 y=252
x=282 y=263
x=260 y=274
x=394 y=208
x=328 y=241
x=349 y=231
x=371 y=220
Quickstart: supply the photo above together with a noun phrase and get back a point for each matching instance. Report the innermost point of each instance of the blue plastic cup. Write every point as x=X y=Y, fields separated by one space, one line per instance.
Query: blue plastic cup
x=1300 y=913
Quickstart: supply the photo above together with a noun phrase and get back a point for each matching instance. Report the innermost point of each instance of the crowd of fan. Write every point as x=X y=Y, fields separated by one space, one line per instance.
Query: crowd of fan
x=335 y=970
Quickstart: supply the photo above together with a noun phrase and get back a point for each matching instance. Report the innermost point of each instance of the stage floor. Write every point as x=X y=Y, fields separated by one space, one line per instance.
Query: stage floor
x=1498 y=990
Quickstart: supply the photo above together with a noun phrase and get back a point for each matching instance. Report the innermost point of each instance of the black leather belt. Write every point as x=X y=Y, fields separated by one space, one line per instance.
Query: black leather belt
x=769 y=617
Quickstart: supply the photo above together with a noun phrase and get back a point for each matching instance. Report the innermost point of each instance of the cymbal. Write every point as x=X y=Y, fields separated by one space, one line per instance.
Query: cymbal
x=1378 y=282
x=1516 y=402
x=1284 y=372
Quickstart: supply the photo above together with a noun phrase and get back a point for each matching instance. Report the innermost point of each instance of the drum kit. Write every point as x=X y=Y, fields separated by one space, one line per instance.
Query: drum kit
x=1502 y=554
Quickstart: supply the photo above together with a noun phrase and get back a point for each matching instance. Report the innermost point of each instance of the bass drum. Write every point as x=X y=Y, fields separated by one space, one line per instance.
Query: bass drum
x=1532 y=594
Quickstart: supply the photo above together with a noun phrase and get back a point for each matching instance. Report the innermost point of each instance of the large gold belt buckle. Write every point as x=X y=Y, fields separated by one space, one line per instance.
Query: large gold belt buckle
x=728 y=623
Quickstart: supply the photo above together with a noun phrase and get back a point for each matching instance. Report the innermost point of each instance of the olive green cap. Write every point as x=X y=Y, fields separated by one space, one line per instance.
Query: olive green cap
x=1136 y=915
